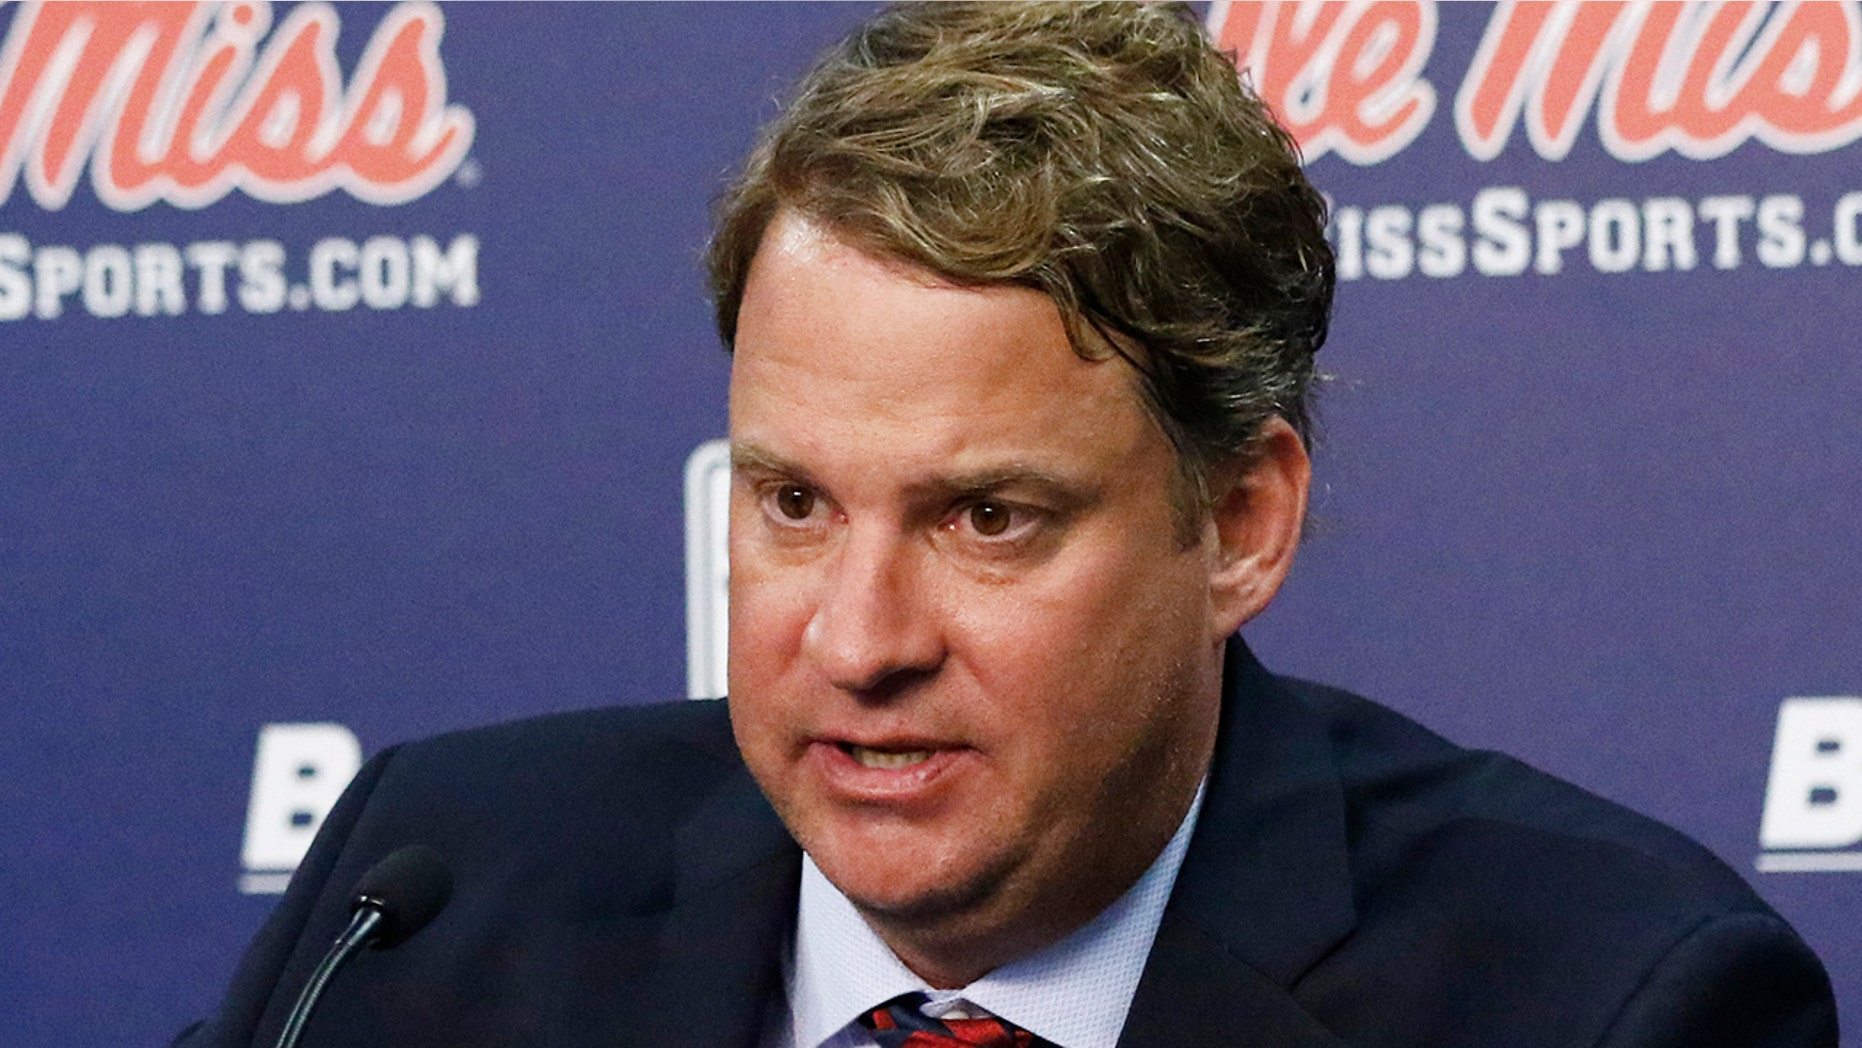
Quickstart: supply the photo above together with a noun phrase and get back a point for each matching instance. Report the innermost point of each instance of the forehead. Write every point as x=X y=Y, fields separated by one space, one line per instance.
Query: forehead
x=838 y=351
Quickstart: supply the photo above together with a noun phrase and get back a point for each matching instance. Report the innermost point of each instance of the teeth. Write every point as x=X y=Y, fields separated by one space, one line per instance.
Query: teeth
x=889 y=761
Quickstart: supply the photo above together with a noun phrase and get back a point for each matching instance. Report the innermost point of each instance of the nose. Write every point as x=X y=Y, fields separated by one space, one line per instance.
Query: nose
x=873 y=631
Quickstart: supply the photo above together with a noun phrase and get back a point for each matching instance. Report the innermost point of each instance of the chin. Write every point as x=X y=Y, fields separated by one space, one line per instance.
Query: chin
x=908 y=887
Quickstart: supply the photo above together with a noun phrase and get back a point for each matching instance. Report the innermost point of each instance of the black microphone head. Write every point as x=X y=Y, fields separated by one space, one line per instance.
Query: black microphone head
x=409 y=887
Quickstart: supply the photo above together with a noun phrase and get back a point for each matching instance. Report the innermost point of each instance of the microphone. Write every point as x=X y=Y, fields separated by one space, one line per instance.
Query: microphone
x=393 y=900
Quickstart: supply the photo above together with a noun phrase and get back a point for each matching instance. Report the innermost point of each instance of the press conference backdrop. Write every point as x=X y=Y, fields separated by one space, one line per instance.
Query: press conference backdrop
x=356 y=383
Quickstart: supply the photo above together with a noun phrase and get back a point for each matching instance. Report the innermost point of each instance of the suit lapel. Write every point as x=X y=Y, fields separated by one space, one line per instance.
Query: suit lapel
x=1265 y=889
x=1195 y=992
x=718 y=967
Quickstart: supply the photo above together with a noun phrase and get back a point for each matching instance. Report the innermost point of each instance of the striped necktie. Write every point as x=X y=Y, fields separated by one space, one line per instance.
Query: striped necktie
x=900 y=1024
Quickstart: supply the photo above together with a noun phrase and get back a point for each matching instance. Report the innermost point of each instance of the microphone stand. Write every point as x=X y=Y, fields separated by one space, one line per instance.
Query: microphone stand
x=362 y=927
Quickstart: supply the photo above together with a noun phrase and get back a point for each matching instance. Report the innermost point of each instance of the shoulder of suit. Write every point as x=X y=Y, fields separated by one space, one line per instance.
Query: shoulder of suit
x=1525 y=910
x=700 y=726
x=602 y=787
x=1418 y=798
x=666 y=749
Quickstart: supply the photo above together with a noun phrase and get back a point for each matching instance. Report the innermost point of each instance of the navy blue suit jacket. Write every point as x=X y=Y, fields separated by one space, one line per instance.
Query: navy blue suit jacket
x=1353 y=880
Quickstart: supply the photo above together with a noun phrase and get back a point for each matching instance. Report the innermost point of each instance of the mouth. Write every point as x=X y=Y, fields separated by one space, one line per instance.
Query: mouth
x=887 y=771
x=884 y=759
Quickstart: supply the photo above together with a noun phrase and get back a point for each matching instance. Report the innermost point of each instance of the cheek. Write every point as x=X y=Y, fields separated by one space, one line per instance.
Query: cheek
x=769 y=607
x=765 y=629
x=1113 y=606
x=1086 y=662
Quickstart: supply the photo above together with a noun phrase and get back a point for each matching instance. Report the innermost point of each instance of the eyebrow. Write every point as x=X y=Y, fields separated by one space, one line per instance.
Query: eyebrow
x=997 y=477
x=754 y=458
x=751 y=457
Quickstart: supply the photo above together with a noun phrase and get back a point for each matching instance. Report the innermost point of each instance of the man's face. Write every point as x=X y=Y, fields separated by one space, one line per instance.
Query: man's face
x=971 y=662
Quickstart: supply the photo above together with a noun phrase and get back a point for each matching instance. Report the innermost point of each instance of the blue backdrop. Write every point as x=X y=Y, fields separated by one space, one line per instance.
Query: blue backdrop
x=351 y=362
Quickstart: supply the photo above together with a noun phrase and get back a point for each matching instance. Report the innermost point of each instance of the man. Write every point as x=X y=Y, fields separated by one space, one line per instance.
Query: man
x=1023 y=302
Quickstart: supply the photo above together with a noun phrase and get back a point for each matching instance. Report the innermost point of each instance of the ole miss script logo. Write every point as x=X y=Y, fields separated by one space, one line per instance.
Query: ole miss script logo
x=1700 y=79
x=188 y=102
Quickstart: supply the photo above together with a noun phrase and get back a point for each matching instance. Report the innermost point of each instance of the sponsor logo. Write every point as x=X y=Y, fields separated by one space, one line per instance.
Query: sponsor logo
x=298 y=773
x=186 y=103
x=707 y=568
x=1503 y=231
x=1698 y=79
x=336 y=274
x=1813 y=800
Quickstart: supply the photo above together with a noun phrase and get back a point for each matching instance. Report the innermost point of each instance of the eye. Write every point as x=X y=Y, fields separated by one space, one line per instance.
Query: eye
x=986 y=527
x=989 y=518
x=794 y=501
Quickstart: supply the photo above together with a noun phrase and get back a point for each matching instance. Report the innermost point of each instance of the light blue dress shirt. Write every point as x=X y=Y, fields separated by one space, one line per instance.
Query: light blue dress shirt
x=1074 y=993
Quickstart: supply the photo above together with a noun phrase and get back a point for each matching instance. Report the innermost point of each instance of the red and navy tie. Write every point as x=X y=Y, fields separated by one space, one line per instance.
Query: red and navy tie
x=900 y=1024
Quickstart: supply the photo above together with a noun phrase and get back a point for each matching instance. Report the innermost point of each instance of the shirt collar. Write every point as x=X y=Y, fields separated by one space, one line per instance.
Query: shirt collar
x=1074 y=993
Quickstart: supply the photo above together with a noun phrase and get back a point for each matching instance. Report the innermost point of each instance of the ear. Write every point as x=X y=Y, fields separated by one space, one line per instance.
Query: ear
x=1259 y=508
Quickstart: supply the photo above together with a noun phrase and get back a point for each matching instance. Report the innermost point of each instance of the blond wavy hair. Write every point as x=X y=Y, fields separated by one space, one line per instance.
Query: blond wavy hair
x=1102 y=153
